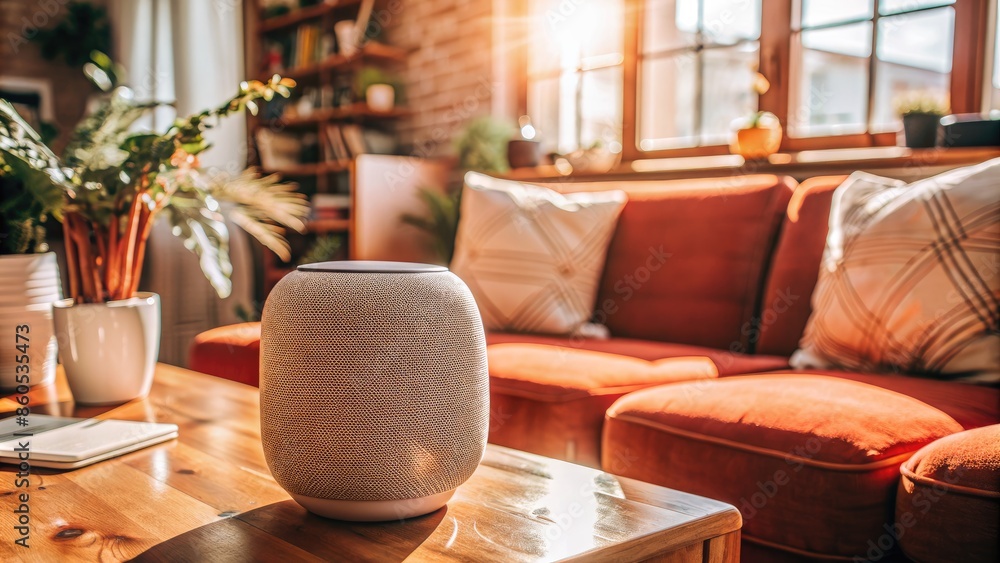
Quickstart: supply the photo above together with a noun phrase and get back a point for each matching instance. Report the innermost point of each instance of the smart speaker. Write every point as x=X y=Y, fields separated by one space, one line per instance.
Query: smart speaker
x=374 y=391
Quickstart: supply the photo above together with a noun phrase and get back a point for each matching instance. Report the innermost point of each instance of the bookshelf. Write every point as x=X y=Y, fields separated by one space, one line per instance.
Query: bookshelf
x=331 y=127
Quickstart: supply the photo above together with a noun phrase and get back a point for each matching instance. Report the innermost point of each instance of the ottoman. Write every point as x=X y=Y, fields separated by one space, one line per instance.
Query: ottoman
x=231 y=352
x=811 y=461
x=948 y=505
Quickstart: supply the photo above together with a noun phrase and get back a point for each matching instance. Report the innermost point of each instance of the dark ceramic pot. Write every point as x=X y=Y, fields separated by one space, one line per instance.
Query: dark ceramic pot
x=524 y=154
x=920 y=130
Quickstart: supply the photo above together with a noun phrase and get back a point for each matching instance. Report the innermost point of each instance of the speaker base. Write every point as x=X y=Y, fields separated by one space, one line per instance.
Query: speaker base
x=373 y=510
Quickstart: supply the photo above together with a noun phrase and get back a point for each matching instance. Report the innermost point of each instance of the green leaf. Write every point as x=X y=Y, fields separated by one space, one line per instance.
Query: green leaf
x=205 y=234
x=259 y=204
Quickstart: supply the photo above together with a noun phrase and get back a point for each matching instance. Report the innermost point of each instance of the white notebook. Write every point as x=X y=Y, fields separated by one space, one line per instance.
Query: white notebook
x=68 y=443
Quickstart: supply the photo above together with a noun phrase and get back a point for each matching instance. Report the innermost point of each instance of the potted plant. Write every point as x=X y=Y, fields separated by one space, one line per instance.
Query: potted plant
x=482 y=145
x=921 y=115
x=114 y=184
x=758 y=136
x=380 y=90
x=525 y=151
x=29 y=276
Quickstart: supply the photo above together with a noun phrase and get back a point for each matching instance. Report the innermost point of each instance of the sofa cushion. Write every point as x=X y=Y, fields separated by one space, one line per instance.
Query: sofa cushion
x=949 y=499
x=794 y=268
x=811 y=461
x=231 y=352
x=908 y=279
x=548 y=395
x=970 y=406
x=687 y=260
x=531 y=256
x=725 y=362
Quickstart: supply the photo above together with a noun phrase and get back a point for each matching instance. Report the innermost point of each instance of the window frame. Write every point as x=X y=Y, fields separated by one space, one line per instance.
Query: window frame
x=776 y=35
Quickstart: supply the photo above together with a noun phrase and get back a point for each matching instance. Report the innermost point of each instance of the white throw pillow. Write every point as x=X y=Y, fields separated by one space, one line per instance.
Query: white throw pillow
x=533 y=257
x=910 y=278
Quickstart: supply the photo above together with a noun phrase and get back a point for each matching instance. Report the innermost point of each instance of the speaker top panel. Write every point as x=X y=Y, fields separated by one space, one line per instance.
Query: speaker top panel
x=372 y=267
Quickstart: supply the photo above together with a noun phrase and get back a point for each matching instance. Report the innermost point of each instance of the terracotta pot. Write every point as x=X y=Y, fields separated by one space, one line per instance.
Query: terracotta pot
x=759 y=142
x=109 y=349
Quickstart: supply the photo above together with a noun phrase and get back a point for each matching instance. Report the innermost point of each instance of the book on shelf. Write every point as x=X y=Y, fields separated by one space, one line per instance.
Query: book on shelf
x=278 y=150
x=337 y=149
x=354 y=138
x=308 y=44
x=330 y=206
x=347 y=141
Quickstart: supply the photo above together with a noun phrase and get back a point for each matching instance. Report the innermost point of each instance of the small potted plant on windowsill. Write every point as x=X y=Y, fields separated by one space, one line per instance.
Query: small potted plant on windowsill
x=921 y=115
x=758 y=136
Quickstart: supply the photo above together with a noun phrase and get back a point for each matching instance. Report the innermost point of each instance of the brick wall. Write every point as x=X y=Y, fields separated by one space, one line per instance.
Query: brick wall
x=20 y=58
x=449 y=76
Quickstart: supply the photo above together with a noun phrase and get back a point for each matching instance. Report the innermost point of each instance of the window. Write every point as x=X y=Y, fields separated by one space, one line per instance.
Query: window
x=697 y=64
x=834 y=70
x=669 y=77
x=575 y=72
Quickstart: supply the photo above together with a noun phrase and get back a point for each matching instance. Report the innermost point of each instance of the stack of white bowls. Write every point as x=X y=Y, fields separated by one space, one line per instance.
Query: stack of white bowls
x=29 y=284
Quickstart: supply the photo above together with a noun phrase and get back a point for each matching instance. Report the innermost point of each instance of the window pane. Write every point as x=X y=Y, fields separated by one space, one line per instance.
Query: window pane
x=922 y=40
x=552 y=106
x=914 y=57
x=602 y=28
x=601 y=106
x=670 y=113
x=822 y=12
x=671 y=24
x=666 y=119
x=831 y=97
x=886 y=7
x=543 y=107
x=727 y=91
x=850 y=40
x=662 y=25
x=564 y=34
x=730 y=21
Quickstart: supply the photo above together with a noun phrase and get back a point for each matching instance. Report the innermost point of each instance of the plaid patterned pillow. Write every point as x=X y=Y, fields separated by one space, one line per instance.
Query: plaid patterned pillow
x=910 y=278
x=533 y=257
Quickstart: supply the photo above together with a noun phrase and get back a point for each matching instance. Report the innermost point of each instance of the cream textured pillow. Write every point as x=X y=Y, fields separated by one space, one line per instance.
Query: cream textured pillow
x=533 y=257
x=910 y=279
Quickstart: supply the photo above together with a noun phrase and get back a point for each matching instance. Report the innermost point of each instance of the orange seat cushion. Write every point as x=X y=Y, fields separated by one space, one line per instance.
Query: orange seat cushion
x=231 y=352
x=548 y=395
x=811 y=461
x=949 y=499
x=971 y=406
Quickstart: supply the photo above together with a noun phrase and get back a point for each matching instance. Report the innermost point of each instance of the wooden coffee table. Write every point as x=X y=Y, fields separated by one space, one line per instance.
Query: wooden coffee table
x=208 y=496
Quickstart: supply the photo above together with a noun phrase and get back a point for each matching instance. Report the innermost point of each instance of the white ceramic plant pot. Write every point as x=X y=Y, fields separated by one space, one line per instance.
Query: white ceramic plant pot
x=109 y=349
x=381 y=97
x=29 y=284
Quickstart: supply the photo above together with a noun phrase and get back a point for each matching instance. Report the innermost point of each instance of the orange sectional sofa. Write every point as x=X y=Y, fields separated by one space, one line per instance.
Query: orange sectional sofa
x=706 y=292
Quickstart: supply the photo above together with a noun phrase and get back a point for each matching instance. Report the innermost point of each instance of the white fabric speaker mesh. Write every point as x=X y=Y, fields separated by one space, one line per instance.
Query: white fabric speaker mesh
x=373 y=386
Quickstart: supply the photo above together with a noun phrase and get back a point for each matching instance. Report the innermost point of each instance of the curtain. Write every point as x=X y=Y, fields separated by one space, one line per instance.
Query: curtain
x=189 y=52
